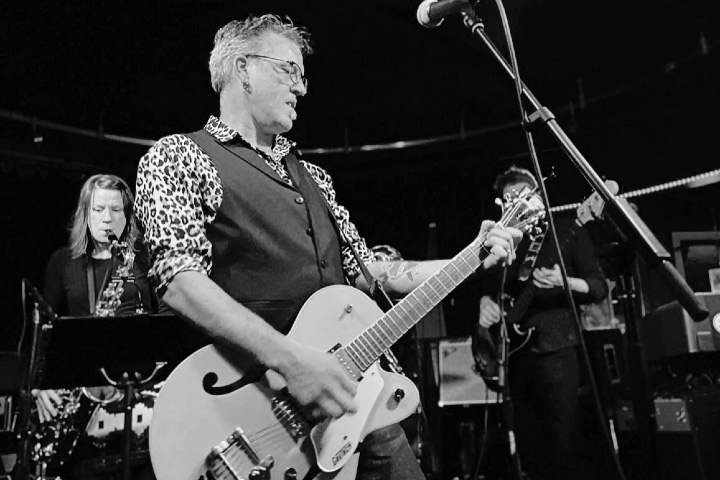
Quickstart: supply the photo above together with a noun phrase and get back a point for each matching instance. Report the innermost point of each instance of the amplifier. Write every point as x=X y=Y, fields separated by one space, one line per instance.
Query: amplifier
x=669 y=330
x=689 y=436
x=459 y=384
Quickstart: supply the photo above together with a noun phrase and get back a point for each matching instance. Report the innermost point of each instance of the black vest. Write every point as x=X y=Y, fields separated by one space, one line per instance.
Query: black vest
x=273 y=244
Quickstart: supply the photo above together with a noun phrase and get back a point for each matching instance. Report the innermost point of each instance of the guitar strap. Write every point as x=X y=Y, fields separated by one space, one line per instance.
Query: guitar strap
x=377 y=293
x=531 y=256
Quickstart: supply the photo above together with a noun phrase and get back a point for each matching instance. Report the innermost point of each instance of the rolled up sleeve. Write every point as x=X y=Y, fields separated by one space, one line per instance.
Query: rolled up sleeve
x=173 y=207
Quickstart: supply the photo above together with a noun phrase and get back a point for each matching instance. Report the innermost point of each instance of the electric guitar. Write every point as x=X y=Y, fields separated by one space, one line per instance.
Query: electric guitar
x=484 y=341
x=220 y=417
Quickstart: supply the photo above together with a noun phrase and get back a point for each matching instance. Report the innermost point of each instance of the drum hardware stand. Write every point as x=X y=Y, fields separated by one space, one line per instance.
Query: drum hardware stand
x=631 y=228
x=129 y=384
x=33 y=378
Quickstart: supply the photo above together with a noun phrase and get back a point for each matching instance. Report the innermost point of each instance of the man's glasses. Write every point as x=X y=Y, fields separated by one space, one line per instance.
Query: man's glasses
x=292 y=69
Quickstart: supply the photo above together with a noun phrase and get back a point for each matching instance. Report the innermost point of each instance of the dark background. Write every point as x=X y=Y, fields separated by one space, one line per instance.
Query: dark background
x=634 y=83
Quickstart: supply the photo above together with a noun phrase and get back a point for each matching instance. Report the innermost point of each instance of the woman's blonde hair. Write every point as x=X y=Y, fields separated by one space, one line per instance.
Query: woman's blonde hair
x=81 y=241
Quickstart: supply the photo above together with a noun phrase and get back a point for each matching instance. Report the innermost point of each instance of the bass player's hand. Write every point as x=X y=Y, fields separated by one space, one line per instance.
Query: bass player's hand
x=319 y=382
x=489 y=312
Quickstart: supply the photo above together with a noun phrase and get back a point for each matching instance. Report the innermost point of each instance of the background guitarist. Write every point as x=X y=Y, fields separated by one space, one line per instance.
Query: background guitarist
x=543 y=374
x=240 y=230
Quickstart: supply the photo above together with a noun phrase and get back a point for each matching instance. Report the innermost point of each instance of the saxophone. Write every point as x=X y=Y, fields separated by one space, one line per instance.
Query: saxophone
x=109 y=300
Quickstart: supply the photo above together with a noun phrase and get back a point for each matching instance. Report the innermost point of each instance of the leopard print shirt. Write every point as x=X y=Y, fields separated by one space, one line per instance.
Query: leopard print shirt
x=179 y=193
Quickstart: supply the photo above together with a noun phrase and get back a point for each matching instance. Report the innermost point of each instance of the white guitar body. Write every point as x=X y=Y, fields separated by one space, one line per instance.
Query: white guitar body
x=194 y=414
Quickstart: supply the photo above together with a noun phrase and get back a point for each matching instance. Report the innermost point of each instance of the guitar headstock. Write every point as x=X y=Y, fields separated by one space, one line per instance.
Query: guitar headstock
x=522 y=210
x=592 y=208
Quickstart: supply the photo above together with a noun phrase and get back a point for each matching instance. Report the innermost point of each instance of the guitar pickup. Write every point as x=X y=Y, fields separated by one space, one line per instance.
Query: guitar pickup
x=347 y=362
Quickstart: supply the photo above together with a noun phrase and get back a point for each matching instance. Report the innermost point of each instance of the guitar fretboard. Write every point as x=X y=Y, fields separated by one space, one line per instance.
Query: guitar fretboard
x=369 y=345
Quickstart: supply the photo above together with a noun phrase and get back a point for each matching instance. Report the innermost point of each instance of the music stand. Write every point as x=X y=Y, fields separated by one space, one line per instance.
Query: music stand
x=125 y=351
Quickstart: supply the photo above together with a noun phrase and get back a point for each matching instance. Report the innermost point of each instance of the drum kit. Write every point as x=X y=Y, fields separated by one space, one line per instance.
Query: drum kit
x=90 y=425
x=94 y=431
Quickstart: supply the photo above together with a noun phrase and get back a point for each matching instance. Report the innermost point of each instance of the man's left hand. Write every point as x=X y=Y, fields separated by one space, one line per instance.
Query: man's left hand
x=500 y=243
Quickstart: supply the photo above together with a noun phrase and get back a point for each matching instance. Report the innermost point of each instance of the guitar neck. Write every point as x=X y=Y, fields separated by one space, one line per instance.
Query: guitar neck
x=367 y=347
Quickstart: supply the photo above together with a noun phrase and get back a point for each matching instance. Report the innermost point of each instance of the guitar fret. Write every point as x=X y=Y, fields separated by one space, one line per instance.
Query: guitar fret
x=351 y=349
x=396 y=332
x=376 y=338
x=394 y=316
x=410 y=297
x=364 y=360
x=439 y=284
x=387 y=335
x=431 y=293
x=400 y=306
x=452 y=264
x=375 y=349
x=428 y=300
x=452 y=283
x=363 y=348
x=424 y=308
x=470 y=267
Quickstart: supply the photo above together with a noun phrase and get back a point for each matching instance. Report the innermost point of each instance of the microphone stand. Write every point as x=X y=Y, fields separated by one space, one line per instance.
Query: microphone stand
x=628 y=224
x=508 y=413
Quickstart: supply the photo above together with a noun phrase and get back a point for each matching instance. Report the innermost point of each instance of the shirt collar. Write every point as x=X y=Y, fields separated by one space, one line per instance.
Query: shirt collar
x=224 y=133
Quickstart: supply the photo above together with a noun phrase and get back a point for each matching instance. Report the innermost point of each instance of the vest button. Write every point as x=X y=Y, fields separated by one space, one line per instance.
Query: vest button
x=309 y=231
x=299 y=200
x=323 y=263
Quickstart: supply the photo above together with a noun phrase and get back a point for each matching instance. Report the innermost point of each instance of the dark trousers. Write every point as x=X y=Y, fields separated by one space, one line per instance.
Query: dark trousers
x=544 y=388
x=386 y=455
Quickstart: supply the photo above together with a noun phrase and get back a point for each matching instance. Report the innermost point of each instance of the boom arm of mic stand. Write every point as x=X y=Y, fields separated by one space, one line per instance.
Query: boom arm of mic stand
x=629 y=224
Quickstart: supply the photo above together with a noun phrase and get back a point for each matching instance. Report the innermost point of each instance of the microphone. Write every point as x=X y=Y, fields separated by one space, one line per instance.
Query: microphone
x=431 y=13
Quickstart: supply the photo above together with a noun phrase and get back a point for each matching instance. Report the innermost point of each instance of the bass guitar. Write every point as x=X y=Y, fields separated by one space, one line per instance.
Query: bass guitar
x=220 y=417
x=484 y=341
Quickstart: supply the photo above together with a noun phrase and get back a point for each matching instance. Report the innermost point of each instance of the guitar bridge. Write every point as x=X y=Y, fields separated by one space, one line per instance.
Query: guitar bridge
x=236 y=455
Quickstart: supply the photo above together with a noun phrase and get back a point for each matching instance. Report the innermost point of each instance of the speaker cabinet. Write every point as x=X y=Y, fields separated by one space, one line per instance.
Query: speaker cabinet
x=607 y=358
x=459 y=384
x=669 y=331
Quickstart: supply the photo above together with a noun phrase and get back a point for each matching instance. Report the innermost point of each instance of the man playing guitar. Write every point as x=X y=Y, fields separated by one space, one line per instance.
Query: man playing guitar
x=543 y=373
x=241 y=233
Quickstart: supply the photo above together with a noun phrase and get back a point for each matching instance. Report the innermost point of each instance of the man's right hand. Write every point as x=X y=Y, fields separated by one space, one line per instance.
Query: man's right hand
x=318 y=381
x=489 y=312
x=47 y=402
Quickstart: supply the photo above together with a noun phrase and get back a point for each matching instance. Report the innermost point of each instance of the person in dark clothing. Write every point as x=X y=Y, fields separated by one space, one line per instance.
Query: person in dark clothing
x=241 y=232
x=544 y=373
x=79 y=282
